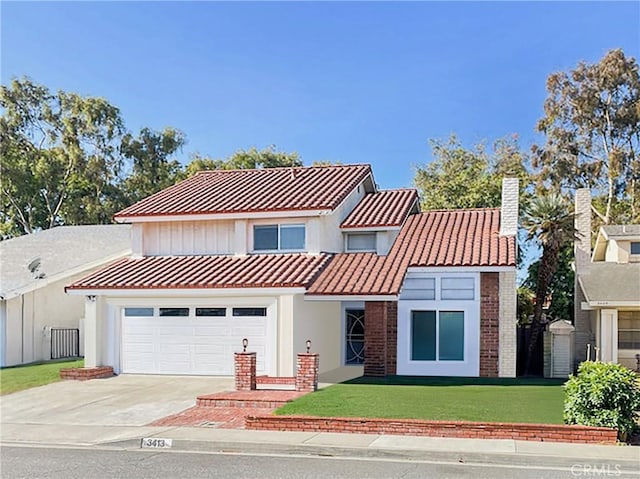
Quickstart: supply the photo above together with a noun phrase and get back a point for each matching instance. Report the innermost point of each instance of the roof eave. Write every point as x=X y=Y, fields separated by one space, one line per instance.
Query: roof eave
x=223 y=216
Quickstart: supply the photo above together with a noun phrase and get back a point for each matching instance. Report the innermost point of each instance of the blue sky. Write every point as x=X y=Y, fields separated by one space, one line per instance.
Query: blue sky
x=353 y=82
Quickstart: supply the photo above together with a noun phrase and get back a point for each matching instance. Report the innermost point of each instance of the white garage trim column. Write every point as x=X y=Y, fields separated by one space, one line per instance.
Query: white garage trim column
x=609 y=335
x=90 y=331
x=286 y=357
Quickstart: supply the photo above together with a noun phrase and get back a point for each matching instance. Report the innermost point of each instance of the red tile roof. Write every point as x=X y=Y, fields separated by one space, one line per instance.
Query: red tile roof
x=456 y=238
x=219 y=271
x=384 y=208
x=250 y=191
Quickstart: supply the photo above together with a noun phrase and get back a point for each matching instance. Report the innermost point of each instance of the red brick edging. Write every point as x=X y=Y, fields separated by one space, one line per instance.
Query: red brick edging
x=456 y=429
x=83 y=374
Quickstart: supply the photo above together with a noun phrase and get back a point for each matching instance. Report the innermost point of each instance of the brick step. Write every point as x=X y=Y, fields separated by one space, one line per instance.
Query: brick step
x=248 y=399
x=276 y=380
x=276 y=383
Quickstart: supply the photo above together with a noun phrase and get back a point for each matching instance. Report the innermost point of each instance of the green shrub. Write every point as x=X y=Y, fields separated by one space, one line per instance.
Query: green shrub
x=603 y=394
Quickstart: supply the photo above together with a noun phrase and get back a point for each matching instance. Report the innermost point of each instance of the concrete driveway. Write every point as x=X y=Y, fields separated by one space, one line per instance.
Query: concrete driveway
x=125 y=400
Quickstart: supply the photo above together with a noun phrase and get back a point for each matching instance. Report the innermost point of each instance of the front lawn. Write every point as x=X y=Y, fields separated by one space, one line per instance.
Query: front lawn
x=514 y=402
x=24 y=377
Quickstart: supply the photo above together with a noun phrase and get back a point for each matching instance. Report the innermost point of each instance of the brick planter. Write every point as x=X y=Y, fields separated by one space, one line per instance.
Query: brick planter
x=84 y=374
x=456 y=429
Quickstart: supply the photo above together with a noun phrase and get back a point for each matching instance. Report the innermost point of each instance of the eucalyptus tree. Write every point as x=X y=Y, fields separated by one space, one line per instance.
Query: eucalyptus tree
x=59 y=157
x=592 y=127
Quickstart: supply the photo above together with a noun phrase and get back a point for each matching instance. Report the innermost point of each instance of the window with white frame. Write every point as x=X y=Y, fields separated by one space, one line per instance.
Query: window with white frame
x=635 y=247
x=279 y=237
x=437 y=335
x=361 y=241
x=628 y=329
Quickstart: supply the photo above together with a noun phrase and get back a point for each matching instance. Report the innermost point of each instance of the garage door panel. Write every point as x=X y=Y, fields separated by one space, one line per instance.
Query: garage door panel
x=187 y=345
x=212 y=331
x=176 y=348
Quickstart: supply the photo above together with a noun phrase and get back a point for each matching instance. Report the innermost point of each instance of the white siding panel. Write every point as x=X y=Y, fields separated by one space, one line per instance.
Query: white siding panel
x=188 y=237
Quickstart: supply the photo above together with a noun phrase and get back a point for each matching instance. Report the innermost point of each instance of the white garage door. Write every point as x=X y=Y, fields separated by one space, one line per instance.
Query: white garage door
x=191 y=344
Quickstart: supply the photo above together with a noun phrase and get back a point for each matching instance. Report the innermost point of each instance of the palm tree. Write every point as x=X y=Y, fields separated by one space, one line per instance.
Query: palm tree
x=549 y=221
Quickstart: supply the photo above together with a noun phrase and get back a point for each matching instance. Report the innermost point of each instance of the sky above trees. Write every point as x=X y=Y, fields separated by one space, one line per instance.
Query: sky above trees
x=351 y=82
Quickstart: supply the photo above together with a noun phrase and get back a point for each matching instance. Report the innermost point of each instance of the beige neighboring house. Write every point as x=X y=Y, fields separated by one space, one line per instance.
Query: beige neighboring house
x=34 y=270
x=607 y=292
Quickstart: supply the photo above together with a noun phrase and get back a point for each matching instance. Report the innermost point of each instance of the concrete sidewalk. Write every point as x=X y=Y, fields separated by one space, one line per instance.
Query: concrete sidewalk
x=202 y=439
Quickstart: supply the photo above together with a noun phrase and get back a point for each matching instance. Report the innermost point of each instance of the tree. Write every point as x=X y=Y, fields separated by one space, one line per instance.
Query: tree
x=469 y=178
x=592 y=129
x=550 y=223
x=152 y=166
x=245 y=159
x=560 y=291
x=58 y=157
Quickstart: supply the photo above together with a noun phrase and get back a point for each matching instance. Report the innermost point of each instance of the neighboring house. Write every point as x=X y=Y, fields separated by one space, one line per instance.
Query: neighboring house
x=279 y=256
x=607 y=303
x=34 y=271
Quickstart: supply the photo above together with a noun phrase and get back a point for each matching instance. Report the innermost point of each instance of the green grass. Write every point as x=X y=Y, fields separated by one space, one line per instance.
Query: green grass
x=24 y=377
x=459 y=400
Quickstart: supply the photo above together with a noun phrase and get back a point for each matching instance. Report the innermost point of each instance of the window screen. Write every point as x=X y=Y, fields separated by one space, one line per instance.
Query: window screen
x=457 y=288
x=265 y=237
x=249 y=311
x=423 y=335
x=174 y=311
x=211 y=311
x=451 y=336
x=419 y=288
x=361 y=242
x=292 y=237
x=138 y=311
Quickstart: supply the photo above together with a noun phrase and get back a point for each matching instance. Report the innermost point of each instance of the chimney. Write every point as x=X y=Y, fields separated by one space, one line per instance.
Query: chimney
x=582 y=246
x=509 y=208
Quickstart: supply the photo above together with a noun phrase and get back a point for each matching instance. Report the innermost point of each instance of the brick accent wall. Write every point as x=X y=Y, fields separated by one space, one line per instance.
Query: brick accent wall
x=507 y=342
x=84 y=374
x=245 y=371
x=415 y=427
x=380 y=337
x=582 y=249
x=489 y=324
x=307 y=372
x=509 y=207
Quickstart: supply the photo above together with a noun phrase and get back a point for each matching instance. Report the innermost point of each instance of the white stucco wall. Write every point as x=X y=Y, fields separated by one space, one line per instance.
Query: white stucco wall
x=25 y=335
x=321 y=322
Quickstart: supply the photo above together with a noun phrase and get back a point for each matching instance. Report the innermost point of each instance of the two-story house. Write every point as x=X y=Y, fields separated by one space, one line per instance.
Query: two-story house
x=607 y=302
x=281 y=256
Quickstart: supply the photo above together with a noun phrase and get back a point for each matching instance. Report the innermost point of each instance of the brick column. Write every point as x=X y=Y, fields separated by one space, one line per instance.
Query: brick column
x=380 y=337
x=489 y=324
x=245 y=369
x=307 y=372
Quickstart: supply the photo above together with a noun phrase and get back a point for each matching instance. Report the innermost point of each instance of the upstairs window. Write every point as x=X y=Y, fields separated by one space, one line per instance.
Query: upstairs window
x=635 y=247
x=279 y=238
x=361 y=242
